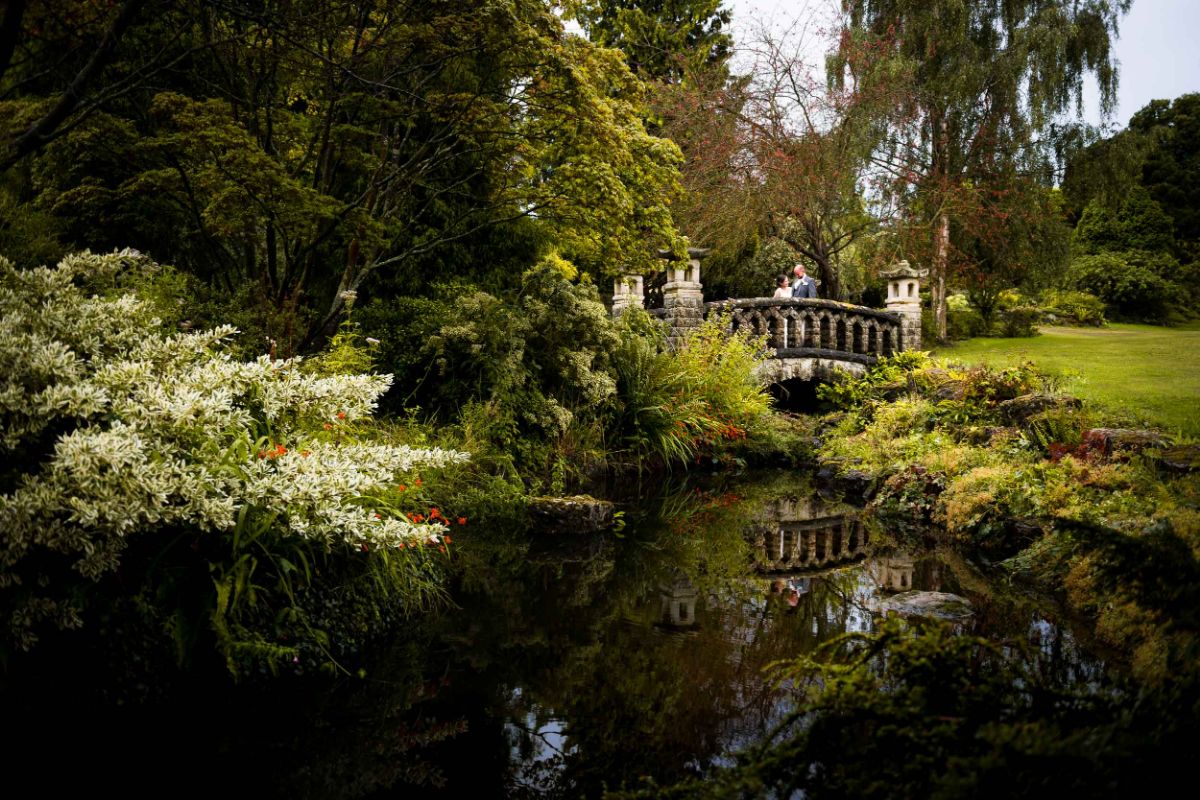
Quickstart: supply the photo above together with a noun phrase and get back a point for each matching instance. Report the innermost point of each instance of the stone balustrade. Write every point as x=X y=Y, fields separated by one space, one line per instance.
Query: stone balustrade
x=798 y=328
x=808 y=545
x=809 y=337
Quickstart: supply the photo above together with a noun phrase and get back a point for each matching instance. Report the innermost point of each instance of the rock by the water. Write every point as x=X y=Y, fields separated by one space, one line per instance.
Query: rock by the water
x=575 y=514
x=1022 y=408
x=852 y=484
x=939 y=605
x=1181 y=458
x=1115 y=441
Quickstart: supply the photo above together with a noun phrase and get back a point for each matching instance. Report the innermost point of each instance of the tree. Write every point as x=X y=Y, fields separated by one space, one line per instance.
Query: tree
x=1138 y=223
x=75 y=55
x=663 y=40
x=1016 y=235
x=987 y=80
x=776 y=155
x=1171 y=170
x=310 y=150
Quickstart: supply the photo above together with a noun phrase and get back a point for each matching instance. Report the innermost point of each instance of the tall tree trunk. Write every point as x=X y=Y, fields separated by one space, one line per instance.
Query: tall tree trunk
x=830 y=285
x=939 y=161
x=941 y=249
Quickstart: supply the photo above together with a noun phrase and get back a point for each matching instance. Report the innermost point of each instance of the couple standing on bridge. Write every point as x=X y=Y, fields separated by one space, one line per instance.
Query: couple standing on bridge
x=803 y=286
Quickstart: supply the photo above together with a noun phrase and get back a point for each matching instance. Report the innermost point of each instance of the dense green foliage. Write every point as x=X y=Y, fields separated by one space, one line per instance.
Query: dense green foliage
x=325 y=147
x=551 y=385
x=663 y=39
x=1135 y=240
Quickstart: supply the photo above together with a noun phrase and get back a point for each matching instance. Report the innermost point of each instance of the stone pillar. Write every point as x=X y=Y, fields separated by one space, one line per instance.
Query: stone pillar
x=628 y=292
x=683 y=297
x=904 y=298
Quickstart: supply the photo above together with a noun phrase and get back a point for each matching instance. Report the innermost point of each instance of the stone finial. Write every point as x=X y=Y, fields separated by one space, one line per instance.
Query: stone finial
x=902 y=269
x=628 y=292
x=904 y=297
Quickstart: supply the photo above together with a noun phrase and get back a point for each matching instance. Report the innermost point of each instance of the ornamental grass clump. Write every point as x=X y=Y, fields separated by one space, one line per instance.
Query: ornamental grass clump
x=674 y=405
x=114 y=428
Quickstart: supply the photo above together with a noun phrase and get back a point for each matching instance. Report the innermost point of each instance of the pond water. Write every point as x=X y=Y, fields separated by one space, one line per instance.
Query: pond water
x=573 y=663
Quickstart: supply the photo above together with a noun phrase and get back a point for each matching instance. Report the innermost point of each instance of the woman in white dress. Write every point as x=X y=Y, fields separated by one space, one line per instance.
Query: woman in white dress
x=781 y=287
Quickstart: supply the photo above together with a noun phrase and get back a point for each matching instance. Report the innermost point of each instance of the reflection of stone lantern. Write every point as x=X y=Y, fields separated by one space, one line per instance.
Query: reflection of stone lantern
x=628 y=292
x=904 y=297
x=678 y=605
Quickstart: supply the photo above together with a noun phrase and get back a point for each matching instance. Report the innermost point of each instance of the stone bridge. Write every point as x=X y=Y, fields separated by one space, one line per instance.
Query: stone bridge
x=808 y=338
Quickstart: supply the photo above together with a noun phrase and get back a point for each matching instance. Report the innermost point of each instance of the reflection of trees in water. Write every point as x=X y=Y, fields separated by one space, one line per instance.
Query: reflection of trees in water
x=602 y=660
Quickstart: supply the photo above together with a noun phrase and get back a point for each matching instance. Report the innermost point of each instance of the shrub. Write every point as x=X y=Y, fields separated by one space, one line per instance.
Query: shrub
x=674 y=404
x=963 y=321
x=1132 y=283
x=528 y=378
x=1020 y=321
x=1068 y=307
x=114 y=429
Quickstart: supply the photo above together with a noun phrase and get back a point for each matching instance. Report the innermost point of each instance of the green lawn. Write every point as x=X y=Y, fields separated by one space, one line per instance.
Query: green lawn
x=1137 y=373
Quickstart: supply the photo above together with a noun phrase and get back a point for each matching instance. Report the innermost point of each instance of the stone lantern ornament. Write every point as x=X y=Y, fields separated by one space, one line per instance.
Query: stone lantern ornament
x=683 y=294
x=628 y=292
x=904 y=298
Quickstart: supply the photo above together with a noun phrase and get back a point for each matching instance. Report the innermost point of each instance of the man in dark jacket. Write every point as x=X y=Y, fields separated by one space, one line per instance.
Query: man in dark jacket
x=803 y=286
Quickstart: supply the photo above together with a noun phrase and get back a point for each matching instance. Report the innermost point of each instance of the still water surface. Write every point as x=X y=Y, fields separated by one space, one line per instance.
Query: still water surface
x=572 y=663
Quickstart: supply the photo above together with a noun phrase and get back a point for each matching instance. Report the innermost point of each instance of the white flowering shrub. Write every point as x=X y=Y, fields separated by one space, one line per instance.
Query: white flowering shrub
x=112 y=428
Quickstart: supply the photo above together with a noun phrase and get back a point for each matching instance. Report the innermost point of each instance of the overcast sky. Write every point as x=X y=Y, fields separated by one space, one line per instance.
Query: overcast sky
x=1158 y=48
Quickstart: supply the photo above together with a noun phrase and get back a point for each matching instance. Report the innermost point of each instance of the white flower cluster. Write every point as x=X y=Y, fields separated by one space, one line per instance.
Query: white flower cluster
x=153 y=429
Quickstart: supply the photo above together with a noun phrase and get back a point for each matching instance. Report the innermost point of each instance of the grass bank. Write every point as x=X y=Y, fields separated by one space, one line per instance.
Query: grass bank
x=1145 y=374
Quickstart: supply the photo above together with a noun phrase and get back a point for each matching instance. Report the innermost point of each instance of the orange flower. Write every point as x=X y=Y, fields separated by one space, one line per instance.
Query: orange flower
x=341 y=415
x=447 y=540
x=434 y=513
x=402 y=488
x=462 y=520
x=328 y=427
x=417 y=482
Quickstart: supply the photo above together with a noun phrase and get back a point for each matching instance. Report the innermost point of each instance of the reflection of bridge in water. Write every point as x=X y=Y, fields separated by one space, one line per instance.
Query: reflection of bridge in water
x=797 y=535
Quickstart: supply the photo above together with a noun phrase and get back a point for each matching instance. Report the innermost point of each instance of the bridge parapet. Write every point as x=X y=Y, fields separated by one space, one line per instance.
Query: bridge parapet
x=806 y=327
x=810 y=338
